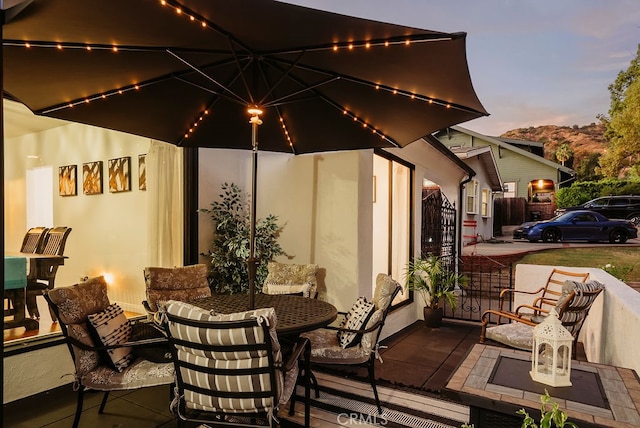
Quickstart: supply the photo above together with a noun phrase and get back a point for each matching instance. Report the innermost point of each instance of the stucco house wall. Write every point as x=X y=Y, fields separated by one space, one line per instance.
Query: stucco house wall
x=514 y=164
x=323 y=201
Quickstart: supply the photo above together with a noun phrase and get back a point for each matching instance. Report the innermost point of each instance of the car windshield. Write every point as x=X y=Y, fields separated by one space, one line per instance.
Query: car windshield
x=597 y=203
x=563 y=217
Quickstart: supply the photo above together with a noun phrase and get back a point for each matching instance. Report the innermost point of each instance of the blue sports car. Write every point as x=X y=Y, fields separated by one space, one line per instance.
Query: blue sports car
x=580 y=226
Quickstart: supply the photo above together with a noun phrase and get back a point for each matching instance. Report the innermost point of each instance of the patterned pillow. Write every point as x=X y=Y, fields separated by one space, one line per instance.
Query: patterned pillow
x=273 y=288
x=111 y=327
x=356 y=319
x=183 y=283
x=385 y=286
x=289 y=273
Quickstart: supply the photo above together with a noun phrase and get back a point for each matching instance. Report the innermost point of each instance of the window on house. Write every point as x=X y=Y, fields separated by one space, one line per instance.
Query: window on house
x=509 y=189
x=39 y=198
x=392 y=218
x=472 y=197
x=485 y=205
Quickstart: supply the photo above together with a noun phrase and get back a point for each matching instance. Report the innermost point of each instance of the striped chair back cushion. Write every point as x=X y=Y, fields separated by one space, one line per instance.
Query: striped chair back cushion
x=574 y=303
x=225 y=363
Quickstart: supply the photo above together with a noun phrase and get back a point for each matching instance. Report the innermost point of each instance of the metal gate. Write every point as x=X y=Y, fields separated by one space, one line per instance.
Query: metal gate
x=438 y=227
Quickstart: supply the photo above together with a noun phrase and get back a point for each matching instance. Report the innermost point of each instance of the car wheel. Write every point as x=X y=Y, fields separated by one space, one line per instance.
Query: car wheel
x=551 y=235
x=618 y=236
x=635 y=219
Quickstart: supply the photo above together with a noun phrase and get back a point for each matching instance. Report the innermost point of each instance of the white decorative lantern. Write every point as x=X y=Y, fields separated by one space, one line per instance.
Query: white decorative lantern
x=551 y=353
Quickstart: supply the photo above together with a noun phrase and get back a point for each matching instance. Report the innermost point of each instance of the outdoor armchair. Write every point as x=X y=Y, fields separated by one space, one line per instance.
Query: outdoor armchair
x=98 y=337
x=355 y=341
x=572 y=307
x=543 y=299
x=290 y=278
x=229 y=367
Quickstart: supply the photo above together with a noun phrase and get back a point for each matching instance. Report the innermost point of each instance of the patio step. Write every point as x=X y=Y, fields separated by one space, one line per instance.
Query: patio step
x=347 y=402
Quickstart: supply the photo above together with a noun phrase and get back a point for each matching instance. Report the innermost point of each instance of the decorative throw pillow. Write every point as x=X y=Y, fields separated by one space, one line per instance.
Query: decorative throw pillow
x=111 y=327
x=273 y=288
x=356 y=319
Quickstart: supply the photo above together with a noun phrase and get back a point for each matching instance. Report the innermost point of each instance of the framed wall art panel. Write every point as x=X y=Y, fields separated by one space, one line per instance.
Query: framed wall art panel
x=142 y=172
x=120 y=174
x=68 y=180
x=92 y=178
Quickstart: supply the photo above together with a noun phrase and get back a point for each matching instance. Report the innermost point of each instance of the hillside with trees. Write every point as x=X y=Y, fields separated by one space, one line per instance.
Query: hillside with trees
x=608 y=149
x=579 y=146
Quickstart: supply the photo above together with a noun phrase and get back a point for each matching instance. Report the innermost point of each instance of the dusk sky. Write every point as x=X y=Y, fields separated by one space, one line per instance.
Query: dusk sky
x=532 y=62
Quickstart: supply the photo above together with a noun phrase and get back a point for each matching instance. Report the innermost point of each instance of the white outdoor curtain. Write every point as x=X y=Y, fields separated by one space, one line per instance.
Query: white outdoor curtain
x=165 y=186
x=400 y=219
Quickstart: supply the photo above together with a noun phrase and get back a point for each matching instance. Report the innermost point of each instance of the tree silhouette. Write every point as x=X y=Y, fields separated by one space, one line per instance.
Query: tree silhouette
x=564 y=153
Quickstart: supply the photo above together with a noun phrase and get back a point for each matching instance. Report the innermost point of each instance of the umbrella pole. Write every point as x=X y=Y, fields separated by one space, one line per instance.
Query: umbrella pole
x=253 y=261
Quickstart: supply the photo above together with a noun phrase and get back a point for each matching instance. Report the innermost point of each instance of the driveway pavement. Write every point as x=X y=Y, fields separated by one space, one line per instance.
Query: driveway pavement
x=504 y=245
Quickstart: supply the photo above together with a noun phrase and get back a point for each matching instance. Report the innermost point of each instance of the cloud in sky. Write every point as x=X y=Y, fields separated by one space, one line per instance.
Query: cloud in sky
x=532 y=62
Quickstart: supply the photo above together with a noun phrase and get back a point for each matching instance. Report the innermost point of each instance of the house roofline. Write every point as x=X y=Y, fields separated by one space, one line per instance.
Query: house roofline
x=438 y=145
x=484 y=155
x=512 y=148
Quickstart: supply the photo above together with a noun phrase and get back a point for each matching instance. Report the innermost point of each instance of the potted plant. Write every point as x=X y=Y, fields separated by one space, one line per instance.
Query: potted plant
x=428 y=277
x=229 y=252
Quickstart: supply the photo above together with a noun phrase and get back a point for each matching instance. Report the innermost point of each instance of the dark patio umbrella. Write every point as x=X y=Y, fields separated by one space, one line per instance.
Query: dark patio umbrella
x=187 y=72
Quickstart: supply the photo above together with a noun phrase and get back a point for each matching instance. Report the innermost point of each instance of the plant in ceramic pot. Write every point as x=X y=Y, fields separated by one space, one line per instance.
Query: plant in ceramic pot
x=435 y=284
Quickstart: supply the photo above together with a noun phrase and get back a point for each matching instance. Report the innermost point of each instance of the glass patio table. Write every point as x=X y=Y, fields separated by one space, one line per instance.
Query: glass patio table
x=295 y=314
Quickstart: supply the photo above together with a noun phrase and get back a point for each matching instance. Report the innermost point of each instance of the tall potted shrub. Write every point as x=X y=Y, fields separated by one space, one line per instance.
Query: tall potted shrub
x=230 y=246
x=435 y=285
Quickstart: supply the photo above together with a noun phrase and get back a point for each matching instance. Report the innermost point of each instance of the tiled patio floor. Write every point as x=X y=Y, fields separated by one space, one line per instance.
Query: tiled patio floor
x=418 y=359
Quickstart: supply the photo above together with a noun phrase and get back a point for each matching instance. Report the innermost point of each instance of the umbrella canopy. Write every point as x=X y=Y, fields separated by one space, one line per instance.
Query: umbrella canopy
x=188 y=72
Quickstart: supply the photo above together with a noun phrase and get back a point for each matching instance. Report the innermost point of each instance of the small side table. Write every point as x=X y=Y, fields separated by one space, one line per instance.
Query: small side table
x=495 y=383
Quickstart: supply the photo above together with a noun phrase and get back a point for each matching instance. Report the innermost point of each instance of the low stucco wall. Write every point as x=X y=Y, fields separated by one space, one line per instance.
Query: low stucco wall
x=611 y=332
x=41 y=370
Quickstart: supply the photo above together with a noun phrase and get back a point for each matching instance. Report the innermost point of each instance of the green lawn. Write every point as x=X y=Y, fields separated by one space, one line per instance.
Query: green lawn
x=624 y=261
